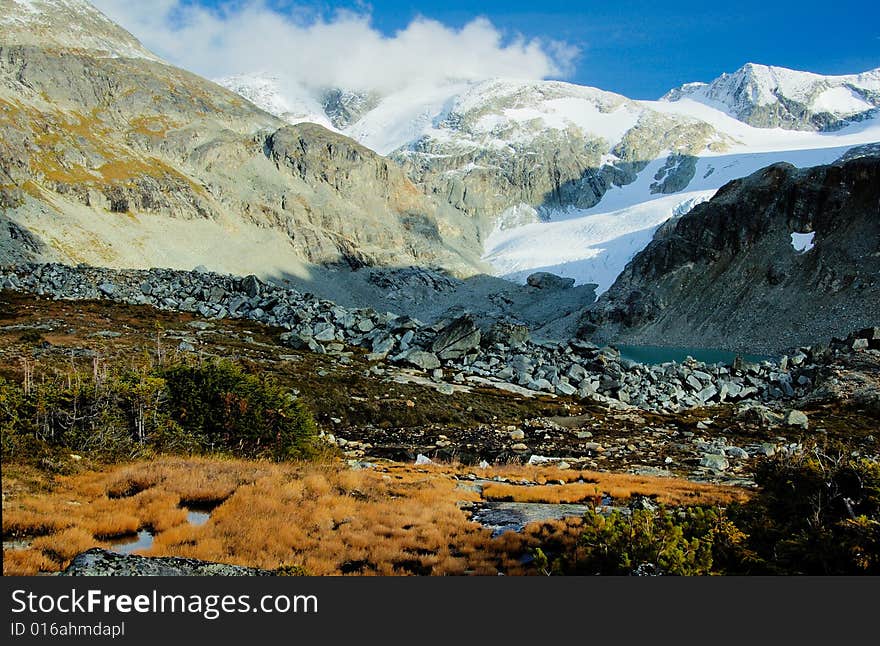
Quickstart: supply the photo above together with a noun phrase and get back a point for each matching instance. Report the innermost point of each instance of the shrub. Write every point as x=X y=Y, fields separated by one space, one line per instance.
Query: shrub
x=818 y=513
x=232 y=410
x=686 y=542
x=131 y=413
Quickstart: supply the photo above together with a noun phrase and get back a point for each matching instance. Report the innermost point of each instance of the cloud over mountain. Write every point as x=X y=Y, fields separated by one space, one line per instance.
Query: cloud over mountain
x=345 y=50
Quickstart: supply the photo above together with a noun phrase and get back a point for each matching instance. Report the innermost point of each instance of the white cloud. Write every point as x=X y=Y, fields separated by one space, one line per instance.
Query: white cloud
x=346 y=51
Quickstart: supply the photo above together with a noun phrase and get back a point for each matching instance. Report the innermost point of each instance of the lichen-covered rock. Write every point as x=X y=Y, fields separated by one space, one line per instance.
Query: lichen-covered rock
x=100 y=562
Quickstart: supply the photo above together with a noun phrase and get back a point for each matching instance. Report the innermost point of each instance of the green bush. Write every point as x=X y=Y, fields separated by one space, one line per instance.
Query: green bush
x=818 y=512
x=684 y=542
x=116 y=414
x=232 y=410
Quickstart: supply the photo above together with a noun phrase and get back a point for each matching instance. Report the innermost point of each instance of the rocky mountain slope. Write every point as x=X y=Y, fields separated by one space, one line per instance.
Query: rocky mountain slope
x=111 y=157
x=773 y=261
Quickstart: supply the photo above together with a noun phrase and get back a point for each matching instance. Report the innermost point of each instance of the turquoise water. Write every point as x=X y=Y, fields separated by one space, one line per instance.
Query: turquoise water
x=653 y=355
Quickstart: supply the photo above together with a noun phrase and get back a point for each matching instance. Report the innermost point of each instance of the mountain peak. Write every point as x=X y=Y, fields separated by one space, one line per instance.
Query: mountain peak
x=767 y=96
x=67 y=24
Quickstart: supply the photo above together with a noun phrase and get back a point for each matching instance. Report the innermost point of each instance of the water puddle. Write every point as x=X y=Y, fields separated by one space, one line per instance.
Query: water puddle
x=143 y=540
x=197 y=518
x=503 y=517
x=199 y=513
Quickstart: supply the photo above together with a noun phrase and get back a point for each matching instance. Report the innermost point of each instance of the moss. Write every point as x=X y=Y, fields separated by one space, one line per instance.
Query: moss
x=152 y=126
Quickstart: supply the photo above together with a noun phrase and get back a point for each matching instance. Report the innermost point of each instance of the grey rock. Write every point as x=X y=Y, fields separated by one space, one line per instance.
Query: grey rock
x=296 y=341
x=576 y=373
x=324 y=332
x=100 y=562
x=735 y=452
x=546 y=280
x=252 y=286
x=707 y=394
x=383 y=345
x=797 y=419
x=566 y=389
x=541 y=384
x=420 y=359
x=457 y=339
x=714 y=461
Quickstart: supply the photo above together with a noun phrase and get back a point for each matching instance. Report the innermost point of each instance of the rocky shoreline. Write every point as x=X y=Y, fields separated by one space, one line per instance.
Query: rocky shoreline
x=447 y=352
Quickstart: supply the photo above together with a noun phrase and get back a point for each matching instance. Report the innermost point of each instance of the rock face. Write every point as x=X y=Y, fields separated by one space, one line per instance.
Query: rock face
x=99 y=562
x=111 y=157
x=732 y=273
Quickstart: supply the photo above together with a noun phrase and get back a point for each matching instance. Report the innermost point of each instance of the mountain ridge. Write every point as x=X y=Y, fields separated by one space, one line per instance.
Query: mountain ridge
x=116 y=160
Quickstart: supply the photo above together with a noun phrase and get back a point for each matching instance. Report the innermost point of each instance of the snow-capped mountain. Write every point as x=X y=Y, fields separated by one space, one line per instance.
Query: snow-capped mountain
x=574 y=179
x=768 y=97
x=264 y=91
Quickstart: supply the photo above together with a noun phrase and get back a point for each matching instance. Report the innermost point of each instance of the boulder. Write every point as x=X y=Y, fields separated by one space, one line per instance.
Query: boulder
x=383 y=345
x=714 y=461
x=797 y=419
x=457 y=339
x=420 y=359
x=759 y=415
x=324 y=332
x=546 y=280
x=365 y=325
x=512 y=335
x=565 y=389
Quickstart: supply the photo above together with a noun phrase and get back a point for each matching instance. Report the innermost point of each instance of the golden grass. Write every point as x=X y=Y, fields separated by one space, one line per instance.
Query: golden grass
x=326 y=518
x=26 y=562
x=152 y=126
x=620 y=487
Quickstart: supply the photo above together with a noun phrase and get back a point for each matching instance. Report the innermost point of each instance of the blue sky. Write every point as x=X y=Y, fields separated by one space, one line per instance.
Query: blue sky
x=641 y=48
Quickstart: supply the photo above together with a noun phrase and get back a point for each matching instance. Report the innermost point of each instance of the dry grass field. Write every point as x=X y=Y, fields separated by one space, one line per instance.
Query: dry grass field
x=326 y=519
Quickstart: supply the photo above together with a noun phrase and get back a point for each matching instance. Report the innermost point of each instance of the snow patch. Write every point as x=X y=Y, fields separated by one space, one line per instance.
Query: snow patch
x=802 y=242
x=841 y=101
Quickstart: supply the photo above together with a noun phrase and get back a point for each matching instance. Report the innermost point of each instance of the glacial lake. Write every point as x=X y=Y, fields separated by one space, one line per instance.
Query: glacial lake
x=654 y=355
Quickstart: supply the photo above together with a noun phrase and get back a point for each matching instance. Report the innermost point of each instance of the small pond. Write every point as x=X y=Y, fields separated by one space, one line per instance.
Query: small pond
x=143 y=540
x=196 y=515
x=654 y=355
